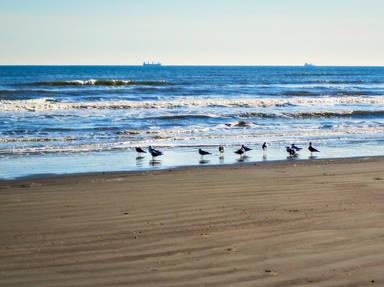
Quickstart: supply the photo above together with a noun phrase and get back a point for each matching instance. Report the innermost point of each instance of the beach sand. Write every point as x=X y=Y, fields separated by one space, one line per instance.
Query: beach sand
x=293 y=223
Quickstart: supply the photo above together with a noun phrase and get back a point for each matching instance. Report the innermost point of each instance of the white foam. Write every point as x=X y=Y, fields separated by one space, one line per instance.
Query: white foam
x=180 y=137
x=83 y=82
x=48 y=104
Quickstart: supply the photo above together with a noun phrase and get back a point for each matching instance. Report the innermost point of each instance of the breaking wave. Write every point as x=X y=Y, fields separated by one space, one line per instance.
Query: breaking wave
x=315 y=114
x=49 y=104
x=181 y=138
x=93 y=82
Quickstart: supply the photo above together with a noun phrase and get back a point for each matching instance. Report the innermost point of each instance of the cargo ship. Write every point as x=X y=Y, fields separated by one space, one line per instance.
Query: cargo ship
x=309 y=65
x=151 y=64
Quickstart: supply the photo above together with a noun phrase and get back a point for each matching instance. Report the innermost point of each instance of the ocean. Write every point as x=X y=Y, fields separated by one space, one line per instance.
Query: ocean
x=71 y=119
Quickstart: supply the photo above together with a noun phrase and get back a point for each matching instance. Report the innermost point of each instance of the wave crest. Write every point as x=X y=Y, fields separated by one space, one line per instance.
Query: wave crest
x=49 y=104
x=93 y=82
x=315 y=114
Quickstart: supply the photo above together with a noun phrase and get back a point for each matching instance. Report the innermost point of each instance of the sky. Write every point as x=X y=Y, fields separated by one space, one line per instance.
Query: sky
x=192 y=32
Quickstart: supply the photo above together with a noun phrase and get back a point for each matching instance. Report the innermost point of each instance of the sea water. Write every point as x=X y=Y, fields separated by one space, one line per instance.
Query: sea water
x=70 y=119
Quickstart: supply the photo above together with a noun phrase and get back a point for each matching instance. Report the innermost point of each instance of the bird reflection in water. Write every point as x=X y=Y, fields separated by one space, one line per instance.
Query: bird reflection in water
x=203 y=161
x=291 y=157
x=221 y=159
x=243 y=158
x=154 y=162
x=265 y=158
x=139 y=161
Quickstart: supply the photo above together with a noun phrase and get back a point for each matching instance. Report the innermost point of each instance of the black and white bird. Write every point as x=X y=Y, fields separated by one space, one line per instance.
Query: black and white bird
x=154 y=152
x=203 y=152
x=312 y=149
x=240 y=151
x=221 y=149
x=245 y=148
x=139 y=150
x=264 y=146
x=291 y=151
x=296 y=148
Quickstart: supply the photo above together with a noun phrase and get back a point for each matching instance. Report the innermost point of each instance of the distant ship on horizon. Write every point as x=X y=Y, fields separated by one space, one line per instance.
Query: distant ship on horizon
x=309 y=65
x=151 y=64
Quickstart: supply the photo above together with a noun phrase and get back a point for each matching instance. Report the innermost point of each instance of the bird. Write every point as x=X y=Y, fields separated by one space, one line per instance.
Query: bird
x=139 y=150
x=291 y=152
x=245 y=148
x=312 y=149
x=264 y=146
x=296 y=148
x=203 y=152
x=221 y=149
x=240 y=151
x=154 y=152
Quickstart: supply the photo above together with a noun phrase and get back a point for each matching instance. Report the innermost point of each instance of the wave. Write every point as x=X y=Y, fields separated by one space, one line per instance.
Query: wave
x=183 y=117
x=354 y=93
x=36 y=139
x=13 y=94
x=179 y=133
x=50 y=130
x=190 y=138
x=357 y=82
x=300 y=93
x=315 y=114
x=93 y=82
x=25 y=91
x=49 y=104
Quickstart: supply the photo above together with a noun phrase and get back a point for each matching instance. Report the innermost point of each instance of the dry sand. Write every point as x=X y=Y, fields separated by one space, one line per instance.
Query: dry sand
x=307 y=223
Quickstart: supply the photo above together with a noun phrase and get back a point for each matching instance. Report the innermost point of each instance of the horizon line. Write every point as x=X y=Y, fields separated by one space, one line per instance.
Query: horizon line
x=184 y=65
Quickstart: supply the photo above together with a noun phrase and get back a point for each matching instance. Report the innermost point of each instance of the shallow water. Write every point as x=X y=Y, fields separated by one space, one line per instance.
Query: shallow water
x=18 y=166
x=66 y=119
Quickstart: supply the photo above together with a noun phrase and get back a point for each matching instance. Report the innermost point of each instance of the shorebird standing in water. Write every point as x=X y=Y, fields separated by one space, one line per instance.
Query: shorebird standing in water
x=296 y=148
x=154 y=153
x=264 y=146
x=221 y=157
x=139 y=151
x=203 y=152
x=291 y=152
x=240 y=151
x=312 y=149
x=245 y=148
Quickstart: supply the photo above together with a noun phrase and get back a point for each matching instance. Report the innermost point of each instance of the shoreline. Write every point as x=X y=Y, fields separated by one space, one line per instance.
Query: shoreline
x=269 y=163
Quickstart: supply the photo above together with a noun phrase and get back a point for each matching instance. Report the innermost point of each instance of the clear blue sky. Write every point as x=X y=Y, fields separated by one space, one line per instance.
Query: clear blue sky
x=209 y=32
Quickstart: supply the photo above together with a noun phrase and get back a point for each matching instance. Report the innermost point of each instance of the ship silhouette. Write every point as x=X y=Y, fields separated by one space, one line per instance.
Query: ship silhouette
x=309 y=65
x=151 y=64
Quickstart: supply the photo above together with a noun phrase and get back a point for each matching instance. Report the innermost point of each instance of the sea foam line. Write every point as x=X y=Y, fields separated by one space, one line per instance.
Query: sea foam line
x=195 y=140
x=93 y=82
x=49 y=104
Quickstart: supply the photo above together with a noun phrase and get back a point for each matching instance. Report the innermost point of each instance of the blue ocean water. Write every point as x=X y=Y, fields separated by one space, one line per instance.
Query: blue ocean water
x=60 y=119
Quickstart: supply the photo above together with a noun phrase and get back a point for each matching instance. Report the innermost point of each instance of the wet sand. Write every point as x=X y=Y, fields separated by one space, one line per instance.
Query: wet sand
x=307 y=223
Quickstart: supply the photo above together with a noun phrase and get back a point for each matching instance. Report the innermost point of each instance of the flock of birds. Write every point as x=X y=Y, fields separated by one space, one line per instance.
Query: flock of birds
x=291 y=150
